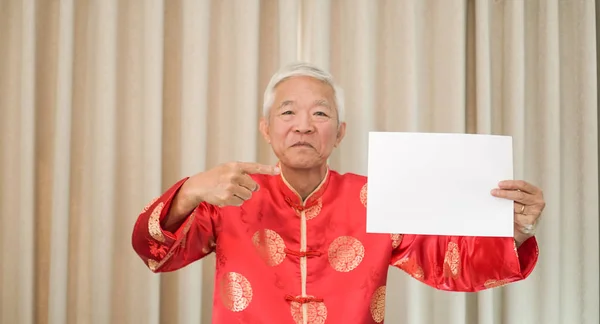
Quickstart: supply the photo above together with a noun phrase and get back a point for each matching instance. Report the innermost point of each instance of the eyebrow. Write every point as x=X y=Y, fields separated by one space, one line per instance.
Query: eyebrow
x=285 y=103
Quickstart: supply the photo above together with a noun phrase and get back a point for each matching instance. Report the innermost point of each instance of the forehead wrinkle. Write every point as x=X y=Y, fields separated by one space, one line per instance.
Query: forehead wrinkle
x=322 y=102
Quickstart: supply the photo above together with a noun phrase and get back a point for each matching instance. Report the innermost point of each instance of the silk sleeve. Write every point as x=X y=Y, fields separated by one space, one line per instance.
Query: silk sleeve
x=465 y=264
x=164 y=251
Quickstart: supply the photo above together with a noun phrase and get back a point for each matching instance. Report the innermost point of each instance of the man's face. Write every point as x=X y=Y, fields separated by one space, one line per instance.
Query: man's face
x=302 y=126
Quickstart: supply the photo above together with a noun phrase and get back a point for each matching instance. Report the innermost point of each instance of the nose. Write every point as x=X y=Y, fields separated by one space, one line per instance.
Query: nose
x=304 y=124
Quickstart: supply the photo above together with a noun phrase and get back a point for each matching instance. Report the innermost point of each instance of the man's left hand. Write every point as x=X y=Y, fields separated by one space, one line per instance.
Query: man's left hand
x=528 y=205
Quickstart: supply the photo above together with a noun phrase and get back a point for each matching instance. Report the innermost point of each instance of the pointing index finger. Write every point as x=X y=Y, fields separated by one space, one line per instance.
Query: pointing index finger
x=257 y=168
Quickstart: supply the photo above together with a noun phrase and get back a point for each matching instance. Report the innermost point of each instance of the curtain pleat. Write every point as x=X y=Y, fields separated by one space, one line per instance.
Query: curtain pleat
x=52 y=303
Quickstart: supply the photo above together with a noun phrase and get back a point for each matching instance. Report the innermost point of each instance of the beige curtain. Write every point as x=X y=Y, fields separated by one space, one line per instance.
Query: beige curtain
x=104 y=104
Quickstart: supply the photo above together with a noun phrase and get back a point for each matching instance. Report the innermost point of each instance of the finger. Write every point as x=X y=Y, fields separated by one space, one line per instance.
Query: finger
x=247 y=182
x=257 y=168
x=519 y=208
x=522 y=209
x=518 y=196
x=518 y=185
x=234 y=201
x=242 y=192
x=235 y=195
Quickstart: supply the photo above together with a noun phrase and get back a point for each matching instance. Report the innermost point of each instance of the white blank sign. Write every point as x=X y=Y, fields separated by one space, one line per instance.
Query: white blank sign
x=438 y=184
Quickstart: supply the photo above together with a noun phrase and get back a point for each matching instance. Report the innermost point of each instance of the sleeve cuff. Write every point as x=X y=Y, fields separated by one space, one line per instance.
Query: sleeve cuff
x=528 y=254
x=159 y=212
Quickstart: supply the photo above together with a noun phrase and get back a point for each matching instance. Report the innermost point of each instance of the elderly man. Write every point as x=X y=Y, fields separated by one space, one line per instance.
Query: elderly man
x=290 y=239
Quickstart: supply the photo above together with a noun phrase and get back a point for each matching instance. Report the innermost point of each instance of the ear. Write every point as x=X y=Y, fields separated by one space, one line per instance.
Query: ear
x=264 y=129
x=340 y=134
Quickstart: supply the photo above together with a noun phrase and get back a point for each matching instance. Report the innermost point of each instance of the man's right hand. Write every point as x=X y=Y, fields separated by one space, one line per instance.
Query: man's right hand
x=228 y=184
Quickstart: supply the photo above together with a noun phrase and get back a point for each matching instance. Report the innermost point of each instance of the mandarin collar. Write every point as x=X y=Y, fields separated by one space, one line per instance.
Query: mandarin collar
x=294 y=199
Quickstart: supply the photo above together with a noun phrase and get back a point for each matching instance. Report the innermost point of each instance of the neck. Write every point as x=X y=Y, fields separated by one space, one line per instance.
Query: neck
x=304 y=181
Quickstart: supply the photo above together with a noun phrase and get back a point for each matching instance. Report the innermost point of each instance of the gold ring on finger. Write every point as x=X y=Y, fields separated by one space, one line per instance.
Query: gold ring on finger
x=522 y=209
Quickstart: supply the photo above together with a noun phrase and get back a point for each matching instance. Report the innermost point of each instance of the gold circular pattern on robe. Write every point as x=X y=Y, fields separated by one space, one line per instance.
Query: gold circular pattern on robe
x=363 y=195
x=316 y=312
x=452 y=261
x=396 y=239
x=270 y=246
x=495 y=283
x=154 y=223
x=378 y=304
x=152 y=264
x=313 y=211
x=345 y=253
x=411 y=267
x=235 y=291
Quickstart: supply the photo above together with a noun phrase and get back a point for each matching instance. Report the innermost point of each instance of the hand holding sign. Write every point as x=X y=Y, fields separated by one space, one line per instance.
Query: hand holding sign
x=528 y=205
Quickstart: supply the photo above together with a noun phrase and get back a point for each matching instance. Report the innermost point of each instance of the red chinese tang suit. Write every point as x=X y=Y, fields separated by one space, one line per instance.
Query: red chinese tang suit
x=281 y=260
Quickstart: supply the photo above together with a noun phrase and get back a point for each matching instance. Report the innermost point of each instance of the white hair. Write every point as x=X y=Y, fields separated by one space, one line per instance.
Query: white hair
x=302 y=69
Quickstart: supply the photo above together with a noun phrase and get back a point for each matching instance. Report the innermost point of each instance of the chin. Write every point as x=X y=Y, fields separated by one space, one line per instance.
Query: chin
x=300 y=162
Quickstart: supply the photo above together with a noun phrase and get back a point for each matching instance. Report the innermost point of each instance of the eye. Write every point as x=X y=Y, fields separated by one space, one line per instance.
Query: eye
x=287 y=112
x=320 y=113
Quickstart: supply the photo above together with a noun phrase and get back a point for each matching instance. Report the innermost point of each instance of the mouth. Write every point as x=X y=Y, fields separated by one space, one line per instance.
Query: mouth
x=302 y=144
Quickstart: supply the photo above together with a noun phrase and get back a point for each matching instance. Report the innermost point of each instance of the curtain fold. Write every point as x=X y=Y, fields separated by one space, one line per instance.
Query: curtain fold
x=105 y=104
